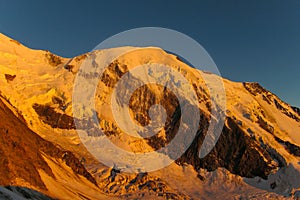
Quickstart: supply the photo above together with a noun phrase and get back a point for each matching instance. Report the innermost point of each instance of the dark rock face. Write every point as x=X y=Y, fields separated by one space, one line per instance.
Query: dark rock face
x=53 y=59
x=117 y=70
x=291 y=148
x=234 y=151
x=21 y=152
x=69 y=158
x=265 y=125
x=69 y=67
x=56 y=120
x=285 y=111
x=145 y=97
x=297 y=110
x=267 y=99
x=9 y=77
x=50 y=116
x=256 y=89
x=273 y=153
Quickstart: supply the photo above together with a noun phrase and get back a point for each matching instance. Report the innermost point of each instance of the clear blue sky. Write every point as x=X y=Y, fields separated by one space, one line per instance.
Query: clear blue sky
x=254 y=40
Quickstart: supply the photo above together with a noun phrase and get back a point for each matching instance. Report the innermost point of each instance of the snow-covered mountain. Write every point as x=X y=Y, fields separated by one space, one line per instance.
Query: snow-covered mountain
x=256 y=156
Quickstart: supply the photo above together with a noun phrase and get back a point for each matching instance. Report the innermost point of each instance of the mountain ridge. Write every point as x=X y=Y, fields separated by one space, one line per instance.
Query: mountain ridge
x=259 y=139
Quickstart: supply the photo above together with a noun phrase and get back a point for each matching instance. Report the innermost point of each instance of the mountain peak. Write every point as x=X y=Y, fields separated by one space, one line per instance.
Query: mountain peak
x=260 y=136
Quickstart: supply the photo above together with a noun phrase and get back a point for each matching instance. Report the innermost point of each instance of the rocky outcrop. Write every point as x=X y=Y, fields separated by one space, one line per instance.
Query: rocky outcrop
x=22 y=153
x=291 y=148
x=265 y=125
x=9 y=77
x=256 y=89
x=53 y=59
x=50 y=116
x=113 y=73
x=286 y=111
x=234 y=151
x=128 y=185
x=296 y=109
